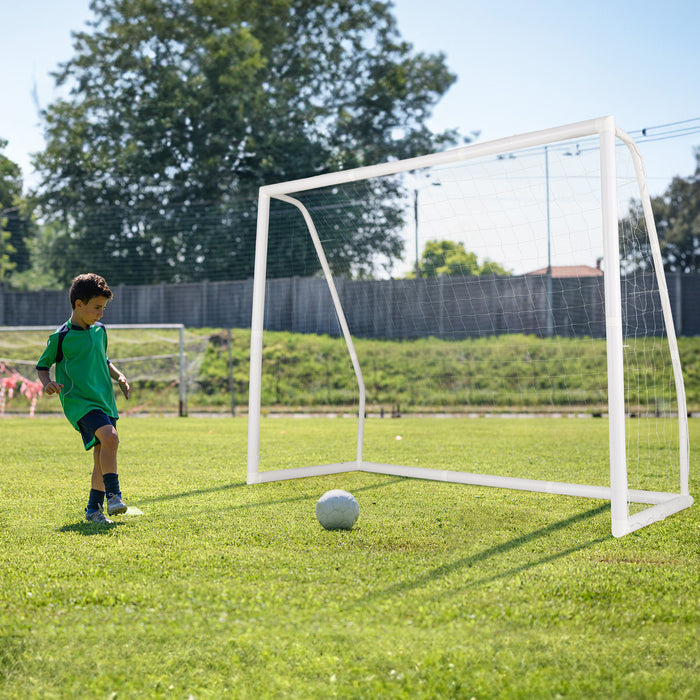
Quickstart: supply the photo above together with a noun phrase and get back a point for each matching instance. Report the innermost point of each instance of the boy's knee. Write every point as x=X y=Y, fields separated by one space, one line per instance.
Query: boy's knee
x=107 y=435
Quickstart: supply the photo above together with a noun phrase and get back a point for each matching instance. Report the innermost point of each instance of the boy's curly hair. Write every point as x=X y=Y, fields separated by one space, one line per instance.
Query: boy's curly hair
x=88 y=286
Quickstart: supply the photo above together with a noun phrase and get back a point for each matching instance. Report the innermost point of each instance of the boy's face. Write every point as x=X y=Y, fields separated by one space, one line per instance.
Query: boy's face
x=87 y=313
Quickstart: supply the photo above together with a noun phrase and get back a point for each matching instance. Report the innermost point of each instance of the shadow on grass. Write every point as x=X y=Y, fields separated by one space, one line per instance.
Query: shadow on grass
x=255 y=504
x=193 y=492
x=91 y=529
x=517 y=542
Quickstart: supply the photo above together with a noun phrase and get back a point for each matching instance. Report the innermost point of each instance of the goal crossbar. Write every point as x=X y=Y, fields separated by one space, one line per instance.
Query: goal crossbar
x=618 y=493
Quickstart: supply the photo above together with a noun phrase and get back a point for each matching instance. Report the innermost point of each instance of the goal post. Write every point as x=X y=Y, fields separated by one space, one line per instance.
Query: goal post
x=521 y=300
x=139 y=352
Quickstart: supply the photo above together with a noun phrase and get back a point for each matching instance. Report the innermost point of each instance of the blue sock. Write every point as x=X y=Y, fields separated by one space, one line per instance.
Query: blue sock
x=111 y=482
x=96 y=499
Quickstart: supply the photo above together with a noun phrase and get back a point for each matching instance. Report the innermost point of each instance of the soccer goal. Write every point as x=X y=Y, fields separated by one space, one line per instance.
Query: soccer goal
x=153 y=357
x=533 y=286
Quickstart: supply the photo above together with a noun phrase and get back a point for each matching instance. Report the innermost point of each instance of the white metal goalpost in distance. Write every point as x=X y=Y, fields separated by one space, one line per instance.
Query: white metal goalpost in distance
x=181 y=358
x=661 y=504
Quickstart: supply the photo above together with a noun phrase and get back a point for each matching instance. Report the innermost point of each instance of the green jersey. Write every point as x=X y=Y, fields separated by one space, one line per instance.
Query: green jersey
x=82 y=366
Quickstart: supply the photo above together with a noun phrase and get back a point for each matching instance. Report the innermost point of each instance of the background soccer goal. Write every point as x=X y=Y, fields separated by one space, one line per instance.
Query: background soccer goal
x=153 y=357
x=560 y=306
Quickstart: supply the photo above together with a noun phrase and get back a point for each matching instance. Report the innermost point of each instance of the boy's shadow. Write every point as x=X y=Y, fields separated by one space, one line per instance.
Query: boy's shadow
x=90 y=529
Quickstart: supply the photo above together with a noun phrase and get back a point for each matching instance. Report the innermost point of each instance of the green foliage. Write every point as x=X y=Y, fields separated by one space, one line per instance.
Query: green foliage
x=503 y=373
x=677 y=220
x=6 y=251
x=23 y=263
x=498 y=372
x=222 y=590
x=677 y=214
x=181 y=109
x=10 y=180
x=41 y=252
x=10 y=192
x=451 y=258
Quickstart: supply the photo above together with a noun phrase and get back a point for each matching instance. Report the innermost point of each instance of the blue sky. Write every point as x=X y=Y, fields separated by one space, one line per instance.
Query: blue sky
x=522 y=65
x=528 y=65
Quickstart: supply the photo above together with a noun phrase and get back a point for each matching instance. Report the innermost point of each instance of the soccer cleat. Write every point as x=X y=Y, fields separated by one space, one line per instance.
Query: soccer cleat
x=115 y=505
x=97 y=516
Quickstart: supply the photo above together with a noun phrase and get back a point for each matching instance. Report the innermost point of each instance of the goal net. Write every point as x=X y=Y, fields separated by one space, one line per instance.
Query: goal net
x=532 y=286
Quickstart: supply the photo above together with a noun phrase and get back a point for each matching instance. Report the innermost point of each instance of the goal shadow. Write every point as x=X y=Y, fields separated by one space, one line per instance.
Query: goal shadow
x=443 y=570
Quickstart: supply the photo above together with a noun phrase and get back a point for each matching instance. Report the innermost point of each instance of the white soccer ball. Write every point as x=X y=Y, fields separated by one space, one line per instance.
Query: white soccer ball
x=337 y=510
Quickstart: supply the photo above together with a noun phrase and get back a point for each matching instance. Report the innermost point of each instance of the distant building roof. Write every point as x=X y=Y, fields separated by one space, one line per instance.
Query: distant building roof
x=570 y=271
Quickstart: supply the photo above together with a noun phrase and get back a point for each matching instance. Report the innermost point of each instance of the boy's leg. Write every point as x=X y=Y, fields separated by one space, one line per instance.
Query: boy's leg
x=93 y=511
x=109 y=443
x=97 y=482
x=107 y=449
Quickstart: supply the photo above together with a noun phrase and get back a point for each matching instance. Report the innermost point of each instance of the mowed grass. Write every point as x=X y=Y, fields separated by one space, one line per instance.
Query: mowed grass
x=226 y=590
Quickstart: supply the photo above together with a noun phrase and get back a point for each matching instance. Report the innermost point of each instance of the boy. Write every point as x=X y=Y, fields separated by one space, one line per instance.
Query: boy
x=83 y=383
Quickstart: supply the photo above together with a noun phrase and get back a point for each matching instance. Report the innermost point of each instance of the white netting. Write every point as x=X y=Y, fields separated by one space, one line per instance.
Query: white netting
x=507 y=316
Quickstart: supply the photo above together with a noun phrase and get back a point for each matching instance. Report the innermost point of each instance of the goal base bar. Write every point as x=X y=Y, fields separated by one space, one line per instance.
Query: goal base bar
x=662 y=503
x=650 y=515
x=301 y=472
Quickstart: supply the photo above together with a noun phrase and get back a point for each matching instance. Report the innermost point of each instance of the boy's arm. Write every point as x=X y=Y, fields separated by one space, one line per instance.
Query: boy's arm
x=120 y=378
x=50 y=387
x=47 y=359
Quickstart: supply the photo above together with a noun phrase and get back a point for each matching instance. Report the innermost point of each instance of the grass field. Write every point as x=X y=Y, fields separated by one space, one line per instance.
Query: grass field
x=225 y=590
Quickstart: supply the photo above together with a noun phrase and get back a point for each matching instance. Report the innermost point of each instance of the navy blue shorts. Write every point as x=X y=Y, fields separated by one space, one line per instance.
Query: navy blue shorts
x=90 y=423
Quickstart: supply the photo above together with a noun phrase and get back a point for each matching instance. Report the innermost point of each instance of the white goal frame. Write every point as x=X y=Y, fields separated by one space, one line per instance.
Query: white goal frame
x=661 y=504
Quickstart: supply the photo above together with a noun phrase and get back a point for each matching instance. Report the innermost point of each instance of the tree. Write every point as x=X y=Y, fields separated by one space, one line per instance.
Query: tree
x=6 y=250
x=20 y=240
x=180 y=109
x=10 y=192
x=677 y=217
x=451 y=258
x=677 y=220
